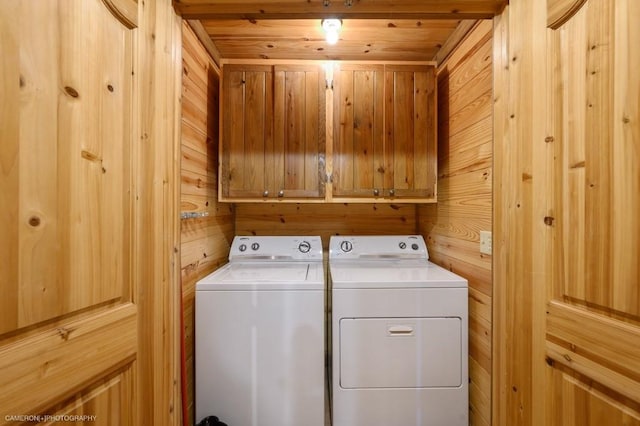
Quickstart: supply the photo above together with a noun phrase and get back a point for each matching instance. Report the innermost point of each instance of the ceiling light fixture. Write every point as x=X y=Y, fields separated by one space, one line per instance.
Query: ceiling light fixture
x=332 y=28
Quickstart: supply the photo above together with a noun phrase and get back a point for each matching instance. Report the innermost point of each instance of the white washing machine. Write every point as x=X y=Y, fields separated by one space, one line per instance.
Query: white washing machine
x=399 y=334
x=260 y=334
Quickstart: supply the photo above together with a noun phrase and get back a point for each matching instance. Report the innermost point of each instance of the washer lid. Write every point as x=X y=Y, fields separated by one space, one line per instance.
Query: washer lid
x=392 y=274
x=265 y=276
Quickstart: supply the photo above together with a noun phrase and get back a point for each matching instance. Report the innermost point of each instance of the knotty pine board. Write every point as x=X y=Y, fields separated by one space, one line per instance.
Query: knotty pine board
x=452 y=226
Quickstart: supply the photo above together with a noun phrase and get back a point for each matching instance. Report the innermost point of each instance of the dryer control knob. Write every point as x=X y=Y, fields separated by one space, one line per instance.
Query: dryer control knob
x=304 y=247
x=415 y=246
x=346 y=246
x=402 y=245
x=242 y=247
x=255 y=246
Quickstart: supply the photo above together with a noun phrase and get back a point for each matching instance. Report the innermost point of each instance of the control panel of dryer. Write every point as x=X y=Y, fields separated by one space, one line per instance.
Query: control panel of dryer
x=378 y=247
x=274 y=248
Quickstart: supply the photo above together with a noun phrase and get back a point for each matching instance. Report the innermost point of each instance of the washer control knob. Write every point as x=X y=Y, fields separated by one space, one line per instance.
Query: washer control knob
x=255 y=246
x=304 y=247
x=402 y=245
x=242 y=247
x=346 y=246
x=415 y=246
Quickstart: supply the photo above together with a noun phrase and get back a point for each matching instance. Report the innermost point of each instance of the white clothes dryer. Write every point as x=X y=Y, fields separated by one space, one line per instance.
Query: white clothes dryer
x=260 y=334
x=399 y=335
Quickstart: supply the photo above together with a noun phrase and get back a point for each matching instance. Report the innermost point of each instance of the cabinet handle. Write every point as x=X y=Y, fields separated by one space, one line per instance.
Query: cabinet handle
x=281 y=193
x=265 y=193
x=376 y=192
x=392 y=192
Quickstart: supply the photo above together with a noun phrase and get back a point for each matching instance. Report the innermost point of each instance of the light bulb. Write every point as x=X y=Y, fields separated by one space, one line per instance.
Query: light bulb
x=332 y=29
x=332 y=37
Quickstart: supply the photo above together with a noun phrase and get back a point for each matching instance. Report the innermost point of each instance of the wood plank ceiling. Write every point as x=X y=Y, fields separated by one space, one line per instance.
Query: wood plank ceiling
x=379 y=30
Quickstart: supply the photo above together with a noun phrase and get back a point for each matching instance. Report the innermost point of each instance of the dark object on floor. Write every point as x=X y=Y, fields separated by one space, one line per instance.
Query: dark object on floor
x=211 y=421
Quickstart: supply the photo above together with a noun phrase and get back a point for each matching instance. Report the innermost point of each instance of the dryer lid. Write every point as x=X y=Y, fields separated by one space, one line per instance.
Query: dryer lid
x=392 y=274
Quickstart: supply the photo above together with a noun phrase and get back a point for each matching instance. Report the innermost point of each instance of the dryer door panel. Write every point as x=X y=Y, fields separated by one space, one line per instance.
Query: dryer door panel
x=400 y=352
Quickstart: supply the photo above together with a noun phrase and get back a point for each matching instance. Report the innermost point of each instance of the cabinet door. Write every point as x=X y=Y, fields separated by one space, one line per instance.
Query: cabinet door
x=410 y=131
x=247 y=168
x=299 y=131
x=358 y=151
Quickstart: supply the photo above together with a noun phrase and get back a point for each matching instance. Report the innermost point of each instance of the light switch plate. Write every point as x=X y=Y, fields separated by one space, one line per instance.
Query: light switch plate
x=485 y=242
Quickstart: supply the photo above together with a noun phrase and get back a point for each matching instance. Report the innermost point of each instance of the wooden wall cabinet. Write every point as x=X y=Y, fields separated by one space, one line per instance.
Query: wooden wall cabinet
x=385 y=144
x=274 y=133
x=273 y=137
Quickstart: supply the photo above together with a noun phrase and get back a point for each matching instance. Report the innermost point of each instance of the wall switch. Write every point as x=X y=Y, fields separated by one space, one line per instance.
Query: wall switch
x=485 y=242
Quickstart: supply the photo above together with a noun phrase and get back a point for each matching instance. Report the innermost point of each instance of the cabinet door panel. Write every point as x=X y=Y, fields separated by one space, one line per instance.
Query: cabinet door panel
x=400 y=128
x=315 y=146
x=255 y=135
x=410 y=145
x=299 y=143
x=343 y=142
x=247 y=167
x=358 y=153
x=294 y=130
x=425 y=125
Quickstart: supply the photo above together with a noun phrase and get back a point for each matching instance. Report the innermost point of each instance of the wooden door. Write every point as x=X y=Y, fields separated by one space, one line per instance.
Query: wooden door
x=358 y=148
x=566 y=229
x=247 y=169
x=593 y=315
x=68 y=312
x=78 y=109
x=299 y=131
x=410 y=131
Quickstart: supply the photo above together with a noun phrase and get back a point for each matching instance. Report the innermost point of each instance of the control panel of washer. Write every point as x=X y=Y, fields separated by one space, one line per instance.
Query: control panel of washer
x=276 y=248
x=378 y=247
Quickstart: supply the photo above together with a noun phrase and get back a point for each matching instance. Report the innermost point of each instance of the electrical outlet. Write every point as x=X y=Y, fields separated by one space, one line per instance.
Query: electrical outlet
x=485 y=242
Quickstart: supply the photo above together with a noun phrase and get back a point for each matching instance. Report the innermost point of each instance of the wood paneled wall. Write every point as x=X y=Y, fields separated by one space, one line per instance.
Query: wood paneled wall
x=205 y=241
x=325 y=220
x=157 y=196
x=89 y=219
x=567 y=192
x=452 y=226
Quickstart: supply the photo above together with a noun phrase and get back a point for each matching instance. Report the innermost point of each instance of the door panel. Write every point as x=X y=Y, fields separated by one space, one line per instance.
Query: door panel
x=101 y=403
x=69 y=161
x=580 y=404
x=40 y=368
